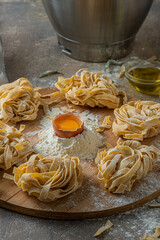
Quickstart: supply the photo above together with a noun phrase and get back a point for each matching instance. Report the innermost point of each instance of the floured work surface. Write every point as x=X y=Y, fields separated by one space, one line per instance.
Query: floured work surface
x=92 y=199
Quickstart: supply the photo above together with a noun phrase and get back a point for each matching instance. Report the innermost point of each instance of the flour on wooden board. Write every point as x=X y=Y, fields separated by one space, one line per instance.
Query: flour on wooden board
x=83 y=146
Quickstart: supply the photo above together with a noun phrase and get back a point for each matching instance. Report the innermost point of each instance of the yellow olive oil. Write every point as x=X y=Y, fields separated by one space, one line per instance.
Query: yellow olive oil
x=145 y=79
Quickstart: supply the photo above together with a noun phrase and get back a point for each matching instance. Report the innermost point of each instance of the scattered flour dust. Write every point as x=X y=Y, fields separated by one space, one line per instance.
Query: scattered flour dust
x=83 y=146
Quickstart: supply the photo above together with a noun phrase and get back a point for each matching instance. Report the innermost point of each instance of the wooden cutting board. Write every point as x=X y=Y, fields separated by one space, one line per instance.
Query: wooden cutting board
x=90 y=201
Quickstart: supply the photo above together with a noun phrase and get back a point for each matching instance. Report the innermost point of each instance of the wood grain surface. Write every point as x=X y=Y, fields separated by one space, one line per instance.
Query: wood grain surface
x=90 y=201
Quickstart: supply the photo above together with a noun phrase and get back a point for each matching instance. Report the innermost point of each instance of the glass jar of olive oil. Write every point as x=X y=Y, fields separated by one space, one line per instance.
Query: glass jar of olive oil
x=144 y=76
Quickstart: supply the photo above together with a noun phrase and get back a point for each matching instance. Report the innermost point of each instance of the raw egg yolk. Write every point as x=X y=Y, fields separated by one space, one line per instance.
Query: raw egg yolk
x=67 y=124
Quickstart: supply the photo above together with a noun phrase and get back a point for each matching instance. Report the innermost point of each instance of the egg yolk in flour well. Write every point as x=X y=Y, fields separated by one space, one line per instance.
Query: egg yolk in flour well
x=68 y=124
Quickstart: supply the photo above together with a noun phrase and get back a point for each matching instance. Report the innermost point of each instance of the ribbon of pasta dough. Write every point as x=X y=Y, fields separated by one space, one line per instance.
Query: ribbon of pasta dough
x=14 y=148
x=137 y=120
x=49 y=178
x=19 y=101
x=155 y=236
x=87 y=88
x=121 y=166
x=106 y=124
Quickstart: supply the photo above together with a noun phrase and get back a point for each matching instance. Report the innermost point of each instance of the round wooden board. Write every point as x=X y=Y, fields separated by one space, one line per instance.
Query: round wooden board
x=91 y=200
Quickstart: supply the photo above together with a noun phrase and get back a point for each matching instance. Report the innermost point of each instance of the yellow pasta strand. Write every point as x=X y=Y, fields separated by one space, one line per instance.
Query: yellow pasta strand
x=121 y=166
x=155 y=236
x=137 y=120
x=87 y=88
x=49 y=178
x=18 y=101
x=106 y=124
x=14 y=148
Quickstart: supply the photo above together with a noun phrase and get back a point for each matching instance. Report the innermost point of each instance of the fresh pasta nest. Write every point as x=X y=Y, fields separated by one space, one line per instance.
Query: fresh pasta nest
x=87 y=88
x=121 y=166
x=137 y=120
x=14 y=148
x=49 y=178
x=18 y=101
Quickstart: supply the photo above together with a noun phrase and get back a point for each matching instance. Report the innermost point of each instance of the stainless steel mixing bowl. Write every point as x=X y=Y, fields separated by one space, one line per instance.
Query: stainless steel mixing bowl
x=96 y=30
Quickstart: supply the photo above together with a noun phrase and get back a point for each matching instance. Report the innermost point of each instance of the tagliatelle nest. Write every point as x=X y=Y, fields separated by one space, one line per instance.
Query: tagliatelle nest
x=87 y=88
x=121 y=166
x=14 y=148
x=49 y=178
x=18 y=101
x=137 y=120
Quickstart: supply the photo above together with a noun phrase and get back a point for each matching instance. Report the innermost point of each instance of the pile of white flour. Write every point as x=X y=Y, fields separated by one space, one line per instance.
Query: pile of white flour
x=83 y=146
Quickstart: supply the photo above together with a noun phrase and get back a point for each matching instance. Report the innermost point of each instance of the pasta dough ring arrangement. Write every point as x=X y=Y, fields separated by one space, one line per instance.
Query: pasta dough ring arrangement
x=49 y=178
x=121 y=166
x=137 y=120
x=14 y=148
x=19 y=101
x=88 y=89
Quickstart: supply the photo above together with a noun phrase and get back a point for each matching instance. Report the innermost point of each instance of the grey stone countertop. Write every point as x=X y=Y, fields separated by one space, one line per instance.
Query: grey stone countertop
x=31 y=47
